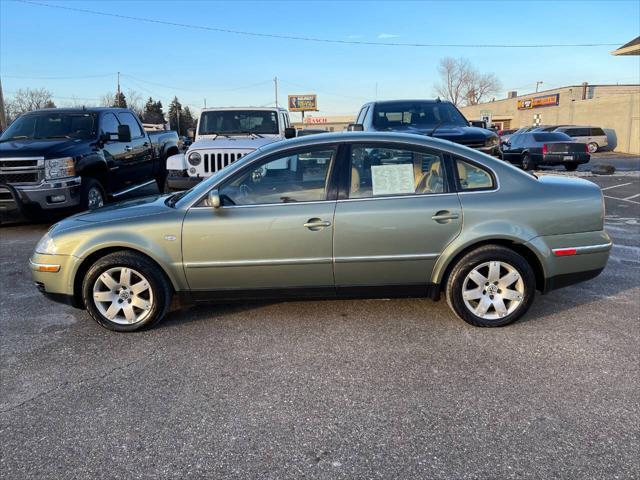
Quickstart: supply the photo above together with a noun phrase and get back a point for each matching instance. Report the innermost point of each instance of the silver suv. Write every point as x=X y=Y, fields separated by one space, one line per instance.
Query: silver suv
x=594 y=137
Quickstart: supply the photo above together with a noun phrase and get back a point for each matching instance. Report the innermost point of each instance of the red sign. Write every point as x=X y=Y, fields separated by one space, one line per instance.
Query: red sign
x=316 y=120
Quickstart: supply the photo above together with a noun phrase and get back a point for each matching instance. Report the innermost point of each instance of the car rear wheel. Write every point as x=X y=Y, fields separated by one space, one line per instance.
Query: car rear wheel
x=92 y=194
x=527 y=163
x=570 y=167
x=124 y=291
x=593 y=147
x=491 y=286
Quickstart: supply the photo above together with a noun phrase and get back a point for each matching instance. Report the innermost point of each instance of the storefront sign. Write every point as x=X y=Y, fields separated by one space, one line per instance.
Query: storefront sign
x=316 y=120
x=536 y=102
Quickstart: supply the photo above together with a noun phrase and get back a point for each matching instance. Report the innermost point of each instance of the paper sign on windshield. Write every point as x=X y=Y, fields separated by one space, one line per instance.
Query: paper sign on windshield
x=392 y=179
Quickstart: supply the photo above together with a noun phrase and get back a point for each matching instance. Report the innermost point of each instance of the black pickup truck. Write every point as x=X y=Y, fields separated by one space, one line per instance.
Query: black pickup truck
x=436 y=118
x=62 y=158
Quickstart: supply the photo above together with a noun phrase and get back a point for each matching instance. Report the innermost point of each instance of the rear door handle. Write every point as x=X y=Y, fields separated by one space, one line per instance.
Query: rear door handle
x=444 y=216
x=316 y=224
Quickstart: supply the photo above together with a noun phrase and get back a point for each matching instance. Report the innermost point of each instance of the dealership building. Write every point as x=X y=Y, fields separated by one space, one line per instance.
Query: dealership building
x=615 y=108
x=335 y=123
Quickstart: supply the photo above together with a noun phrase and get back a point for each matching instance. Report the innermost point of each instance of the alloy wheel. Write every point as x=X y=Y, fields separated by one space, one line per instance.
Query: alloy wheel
x=95 y=198
x=493 y=290
x=123 y=295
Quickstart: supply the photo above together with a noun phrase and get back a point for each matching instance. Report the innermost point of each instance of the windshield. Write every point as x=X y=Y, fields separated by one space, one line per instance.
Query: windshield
x=52 y=125
x=230 y=122
x=417 y=115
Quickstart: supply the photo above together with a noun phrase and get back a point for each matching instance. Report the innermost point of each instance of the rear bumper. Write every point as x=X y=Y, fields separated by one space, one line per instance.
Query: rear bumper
x=179 y=182
x=571 y=258
x=562 y=158
x=26 y=201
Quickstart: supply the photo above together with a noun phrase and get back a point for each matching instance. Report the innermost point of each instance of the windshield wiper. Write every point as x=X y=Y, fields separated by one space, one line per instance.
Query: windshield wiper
x=246 y=132
x=16 y=137
x=430 y=134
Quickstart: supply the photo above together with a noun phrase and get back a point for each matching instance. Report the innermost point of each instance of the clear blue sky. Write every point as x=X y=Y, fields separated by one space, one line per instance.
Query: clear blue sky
x=37 y=41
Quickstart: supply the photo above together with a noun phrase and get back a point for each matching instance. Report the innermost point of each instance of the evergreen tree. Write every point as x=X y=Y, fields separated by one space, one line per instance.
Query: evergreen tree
x=175 y=116
x=119 y=100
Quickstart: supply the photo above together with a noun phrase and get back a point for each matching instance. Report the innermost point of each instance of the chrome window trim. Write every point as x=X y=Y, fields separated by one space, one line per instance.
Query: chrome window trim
x=225 y=207
x=318 y=141
x=397 y=197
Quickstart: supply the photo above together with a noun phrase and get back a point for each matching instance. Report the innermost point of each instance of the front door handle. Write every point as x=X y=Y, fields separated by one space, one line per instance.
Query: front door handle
x=444 y=216
x=315 y=224
x=127 y=148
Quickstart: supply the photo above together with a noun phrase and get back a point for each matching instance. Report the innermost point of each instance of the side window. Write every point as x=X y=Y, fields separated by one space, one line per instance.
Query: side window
x=362 y=115
x=378 y=172
x=472 y=177
x=296 y=177
x=127 y=118
x=597 y=132
x=109 y=124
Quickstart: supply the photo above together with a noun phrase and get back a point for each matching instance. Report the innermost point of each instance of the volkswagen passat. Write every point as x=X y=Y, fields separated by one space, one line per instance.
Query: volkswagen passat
x=335 y=215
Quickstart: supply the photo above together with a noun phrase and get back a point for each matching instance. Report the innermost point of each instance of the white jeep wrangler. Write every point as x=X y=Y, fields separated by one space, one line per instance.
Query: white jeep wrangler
x=224 y=135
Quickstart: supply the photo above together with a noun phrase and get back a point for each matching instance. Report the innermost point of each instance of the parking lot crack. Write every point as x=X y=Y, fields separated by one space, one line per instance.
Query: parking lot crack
x=77 y=382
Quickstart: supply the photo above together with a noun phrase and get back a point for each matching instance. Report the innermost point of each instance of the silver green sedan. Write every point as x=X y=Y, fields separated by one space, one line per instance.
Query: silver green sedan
x=336 y=215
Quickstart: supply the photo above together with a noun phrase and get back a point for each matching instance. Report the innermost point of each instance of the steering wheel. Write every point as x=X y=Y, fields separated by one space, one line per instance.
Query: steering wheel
x=245 y=190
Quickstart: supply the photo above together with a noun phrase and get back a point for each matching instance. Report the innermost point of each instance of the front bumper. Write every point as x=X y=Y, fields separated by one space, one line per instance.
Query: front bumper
x=55 y=280
x=182 y=182
x=25 y=201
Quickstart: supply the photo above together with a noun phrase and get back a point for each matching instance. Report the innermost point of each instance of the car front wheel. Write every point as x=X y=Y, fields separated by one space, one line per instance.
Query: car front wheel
x=491 y=286
x=125 y=291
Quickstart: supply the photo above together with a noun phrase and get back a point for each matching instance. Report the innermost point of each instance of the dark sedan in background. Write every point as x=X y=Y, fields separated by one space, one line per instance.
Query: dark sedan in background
x=535 y=148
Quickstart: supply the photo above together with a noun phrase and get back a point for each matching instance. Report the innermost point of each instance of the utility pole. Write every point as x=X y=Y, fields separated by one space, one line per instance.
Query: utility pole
x=118 y=94
x=540 y=82
x=3 y=118
x=275 y=81
x=205 y=103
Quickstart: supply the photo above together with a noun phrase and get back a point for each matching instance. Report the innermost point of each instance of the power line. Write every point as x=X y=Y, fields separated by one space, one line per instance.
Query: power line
x=27 y=77
x=311 y=39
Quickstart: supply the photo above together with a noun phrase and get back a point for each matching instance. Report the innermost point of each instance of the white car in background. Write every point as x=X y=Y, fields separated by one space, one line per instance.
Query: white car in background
x=594 y=137
x=223 y=136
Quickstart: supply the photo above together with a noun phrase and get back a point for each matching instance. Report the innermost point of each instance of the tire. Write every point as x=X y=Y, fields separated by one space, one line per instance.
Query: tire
x=92 y=194
x=521 y=289
x=593 y=147
x=148 y=303
x=527 y=163
x=570 y=167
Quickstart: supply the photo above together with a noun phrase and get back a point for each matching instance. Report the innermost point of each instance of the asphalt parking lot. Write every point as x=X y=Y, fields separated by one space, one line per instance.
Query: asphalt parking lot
x=333 y=389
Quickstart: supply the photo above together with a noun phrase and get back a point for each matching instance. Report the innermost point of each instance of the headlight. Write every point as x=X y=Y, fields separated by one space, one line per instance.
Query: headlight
x=194 y=158
x=59 y=168
x=46 y=245
x=491 y=141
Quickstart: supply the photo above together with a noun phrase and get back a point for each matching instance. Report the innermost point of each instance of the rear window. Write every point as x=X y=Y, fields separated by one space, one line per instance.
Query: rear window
x=551 y=137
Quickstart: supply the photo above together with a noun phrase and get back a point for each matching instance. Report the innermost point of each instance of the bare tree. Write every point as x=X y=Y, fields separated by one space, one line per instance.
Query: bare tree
x=454 y=78
x=28 y=99
x=462 y=84
x=106 y=100
x=134 y=100
x=480 y=86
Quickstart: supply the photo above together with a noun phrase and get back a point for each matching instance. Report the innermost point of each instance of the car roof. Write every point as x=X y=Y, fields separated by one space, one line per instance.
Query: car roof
x=80 y=110
x=369 y=136
x=265 y=109
x=408 y=100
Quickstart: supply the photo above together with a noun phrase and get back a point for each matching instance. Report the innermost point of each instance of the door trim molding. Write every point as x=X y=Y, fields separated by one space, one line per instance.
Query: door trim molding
x=386 y=258
x=258 y=263
x=131 y=189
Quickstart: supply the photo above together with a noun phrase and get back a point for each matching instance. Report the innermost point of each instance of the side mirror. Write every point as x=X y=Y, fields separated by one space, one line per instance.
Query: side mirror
x=290 y=132
x=214 y=199
x=355 y=127
x=124 y=133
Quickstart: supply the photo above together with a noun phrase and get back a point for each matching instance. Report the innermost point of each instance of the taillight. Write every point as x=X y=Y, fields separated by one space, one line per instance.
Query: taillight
x=544 y=149
x=586 y=148
x=564 y=252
